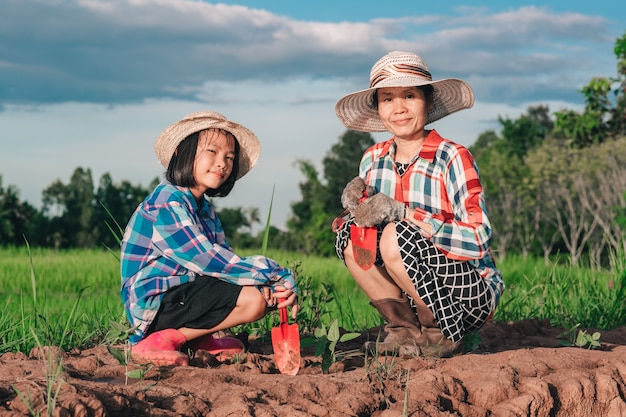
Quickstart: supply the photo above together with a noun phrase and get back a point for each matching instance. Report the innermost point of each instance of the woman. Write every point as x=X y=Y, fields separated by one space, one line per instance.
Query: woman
x=181 y=281
x=434 y=278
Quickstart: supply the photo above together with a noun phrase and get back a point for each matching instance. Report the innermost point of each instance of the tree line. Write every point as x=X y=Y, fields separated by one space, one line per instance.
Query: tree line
x=555 y=183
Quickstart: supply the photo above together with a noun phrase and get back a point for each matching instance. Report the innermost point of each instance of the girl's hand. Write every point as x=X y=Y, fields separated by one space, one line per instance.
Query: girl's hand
x=267 y=295
x=291 y=299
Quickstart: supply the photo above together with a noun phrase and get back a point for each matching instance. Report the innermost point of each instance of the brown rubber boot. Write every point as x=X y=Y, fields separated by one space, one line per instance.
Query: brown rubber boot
x=435 y=344
x=404 y=335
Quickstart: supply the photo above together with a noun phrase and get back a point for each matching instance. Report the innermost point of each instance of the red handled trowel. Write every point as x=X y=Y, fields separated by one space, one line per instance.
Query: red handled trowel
x=286 y=344
x=364 y=243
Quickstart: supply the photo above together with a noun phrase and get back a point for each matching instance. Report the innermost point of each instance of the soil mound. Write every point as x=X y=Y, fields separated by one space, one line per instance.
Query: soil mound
x=517 y=369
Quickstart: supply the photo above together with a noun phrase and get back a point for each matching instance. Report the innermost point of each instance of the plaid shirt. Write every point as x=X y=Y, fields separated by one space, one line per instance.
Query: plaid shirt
x=442 y=184
x=169 y=241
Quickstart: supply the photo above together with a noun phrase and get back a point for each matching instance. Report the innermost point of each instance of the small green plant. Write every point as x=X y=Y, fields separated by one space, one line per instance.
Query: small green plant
x=326 y=342
x=586 y=340
x=380 y=370
x=375 y=367
x=471 y=341
x=119 y=334
x=53 y=364
x=581 y=339
x=405 y=408
x=237 y=358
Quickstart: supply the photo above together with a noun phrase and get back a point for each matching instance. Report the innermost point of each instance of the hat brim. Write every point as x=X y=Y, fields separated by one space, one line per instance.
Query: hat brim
x=173 y=135
x=355 y=110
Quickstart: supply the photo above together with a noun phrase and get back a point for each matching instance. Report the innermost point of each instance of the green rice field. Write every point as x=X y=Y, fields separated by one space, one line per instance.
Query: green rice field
x=70 y=298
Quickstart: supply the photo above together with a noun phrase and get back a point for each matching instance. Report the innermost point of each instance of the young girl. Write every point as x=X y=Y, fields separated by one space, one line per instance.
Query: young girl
x=181 y=282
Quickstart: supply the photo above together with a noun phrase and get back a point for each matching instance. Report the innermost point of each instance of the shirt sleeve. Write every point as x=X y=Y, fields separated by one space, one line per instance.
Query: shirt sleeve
x=467 y=234
x=180 y=239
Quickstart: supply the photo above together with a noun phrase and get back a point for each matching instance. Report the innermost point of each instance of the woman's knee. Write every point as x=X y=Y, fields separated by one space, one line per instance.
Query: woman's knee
x=388 y=246
x=348 y=255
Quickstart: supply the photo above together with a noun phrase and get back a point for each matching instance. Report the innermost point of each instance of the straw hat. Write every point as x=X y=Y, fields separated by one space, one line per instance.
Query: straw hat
x=172 y=136
x=402 y=69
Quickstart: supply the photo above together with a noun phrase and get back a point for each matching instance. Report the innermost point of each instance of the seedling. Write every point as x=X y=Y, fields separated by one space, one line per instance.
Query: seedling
x=586 y=340
x=119 y=333
x=582 y=338
x=326 y=341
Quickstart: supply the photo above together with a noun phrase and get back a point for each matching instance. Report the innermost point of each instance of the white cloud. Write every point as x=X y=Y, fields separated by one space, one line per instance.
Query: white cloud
x=93 y=83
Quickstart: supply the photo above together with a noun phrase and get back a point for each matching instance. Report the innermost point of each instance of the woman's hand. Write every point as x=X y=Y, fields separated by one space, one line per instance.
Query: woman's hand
x=378 y=209
x=353 y=193
x=291 y=299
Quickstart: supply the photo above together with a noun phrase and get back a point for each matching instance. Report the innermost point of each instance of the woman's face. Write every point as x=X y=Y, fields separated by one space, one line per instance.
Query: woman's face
x=403 y=111
x=215 y=157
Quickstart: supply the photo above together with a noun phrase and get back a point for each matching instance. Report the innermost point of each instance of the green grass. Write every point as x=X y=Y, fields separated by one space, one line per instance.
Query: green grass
x=69 y=298
x=566 y=295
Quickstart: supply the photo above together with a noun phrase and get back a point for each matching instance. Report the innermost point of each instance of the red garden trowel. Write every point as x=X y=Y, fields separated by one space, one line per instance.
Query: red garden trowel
x=363 y=243
x=286 y=344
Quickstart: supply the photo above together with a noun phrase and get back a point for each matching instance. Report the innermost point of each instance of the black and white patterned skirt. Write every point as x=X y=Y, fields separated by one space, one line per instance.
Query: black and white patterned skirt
x=457 y=295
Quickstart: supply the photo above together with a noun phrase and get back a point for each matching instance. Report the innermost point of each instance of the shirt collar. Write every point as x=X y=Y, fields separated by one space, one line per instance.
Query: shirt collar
x=204 y=204
x=428 y=151
x=430 y=146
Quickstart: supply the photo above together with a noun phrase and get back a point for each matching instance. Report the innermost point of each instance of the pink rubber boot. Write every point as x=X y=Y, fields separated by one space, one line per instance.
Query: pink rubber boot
x=222 y=348
x=161 y=349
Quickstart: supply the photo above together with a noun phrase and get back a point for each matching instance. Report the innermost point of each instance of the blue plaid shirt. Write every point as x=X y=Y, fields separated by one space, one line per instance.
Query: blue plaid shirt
x=169 y=241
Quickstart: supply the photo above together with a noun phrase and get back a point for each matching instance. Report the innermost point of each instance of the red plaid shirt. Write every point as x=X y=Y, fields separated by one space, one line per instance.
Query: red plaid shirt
x=443 y=185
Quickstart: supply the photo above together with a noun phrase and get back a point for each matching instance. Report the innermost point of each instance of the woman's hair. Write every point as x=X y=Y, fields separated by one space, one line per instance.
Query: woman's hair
x=427 y=89
x=181 y=168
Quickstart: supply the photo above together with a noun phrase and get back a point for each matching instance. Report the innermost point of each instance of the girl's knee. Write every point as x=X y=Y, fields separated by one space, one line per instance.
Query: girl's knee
x=251 y=304
x=259 y=309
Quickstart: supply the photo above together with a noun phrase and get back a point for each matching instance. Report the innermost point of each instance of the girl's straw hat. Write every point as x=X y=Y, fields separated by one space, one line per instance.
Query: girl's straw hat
x=402 y=69
x=172 y=136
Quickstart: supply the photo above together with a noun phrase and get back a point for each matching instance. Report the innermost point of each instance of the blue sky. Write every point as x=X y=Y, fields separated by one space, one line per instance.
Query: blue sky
x=88 y=83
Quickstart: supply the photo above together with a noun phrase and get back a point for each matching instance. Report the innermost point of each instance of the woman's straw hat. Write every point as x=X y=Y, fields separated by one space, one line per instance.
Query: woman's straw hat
x=402 y=69
x=172 y=136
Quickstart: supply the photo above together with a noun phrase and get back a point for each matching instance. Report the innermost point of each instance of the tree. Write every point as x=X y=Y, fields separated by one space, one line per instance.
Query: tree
x=18 y=219
x=587 y=128
x=617 y=121
x=509 y=198
x=341 y=164
x=72 y=209
x=115 y=204
x=233 y=219
x=310 y=223
x=603 y=117
x=528 y=131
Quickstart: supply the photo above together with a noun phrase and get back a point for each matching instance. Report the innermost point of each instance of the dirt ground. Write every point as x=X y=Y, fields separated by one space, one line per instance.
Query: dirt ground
x=518 y=369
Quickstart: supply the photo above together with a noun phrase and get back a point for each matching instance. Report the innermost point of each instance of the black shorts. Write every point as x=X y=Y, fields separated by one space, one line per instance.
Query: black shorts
x=200 y=304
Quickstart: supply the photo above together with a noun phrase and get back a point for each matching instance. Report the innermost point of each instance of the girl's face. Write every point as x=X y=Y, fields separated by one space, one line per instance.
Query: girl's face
x=403 y=111
x=215 y=157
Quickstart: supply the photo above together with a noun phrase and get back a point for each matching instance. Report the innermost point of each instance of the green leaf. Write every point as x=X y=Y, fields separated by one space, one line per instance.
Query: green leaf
x=333 y=331
x=349 y=336
x=266 y=232
x=320 y=332
x=117 y=354
x=307 y=342
x=136 y=373
x=322 y=343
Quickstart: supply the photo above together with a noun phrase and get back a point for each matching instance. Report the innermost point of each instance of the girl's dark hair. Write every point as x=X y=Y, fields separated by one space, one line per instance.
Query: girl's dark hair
x=181 y=166
x=427 y=89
